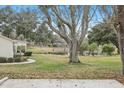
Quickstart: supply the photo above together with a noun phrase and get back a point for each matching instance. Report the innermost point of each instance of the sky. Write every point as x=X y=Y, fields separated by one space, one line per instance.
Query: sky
x=17 y=8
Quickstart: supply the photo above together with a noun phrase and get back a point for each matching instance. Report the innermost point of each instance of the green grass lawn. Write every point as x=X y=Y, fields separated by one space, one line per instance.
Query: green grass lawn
x=56 y=66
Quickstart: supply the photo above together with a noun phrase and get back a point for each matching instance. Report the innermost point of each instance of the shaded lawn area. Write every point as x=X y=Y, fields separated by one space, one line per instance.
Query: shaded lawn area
x=57 y=67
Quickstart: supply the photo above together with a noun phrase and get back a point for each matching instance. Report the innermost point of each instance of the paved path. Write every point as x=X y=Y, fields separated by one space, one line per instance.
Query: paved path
x=60 y=83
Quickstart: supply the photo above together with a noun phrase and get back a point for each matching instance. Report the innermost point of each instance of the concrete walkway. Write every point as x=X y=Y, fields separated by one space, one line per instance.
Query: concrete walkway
x=60 y=83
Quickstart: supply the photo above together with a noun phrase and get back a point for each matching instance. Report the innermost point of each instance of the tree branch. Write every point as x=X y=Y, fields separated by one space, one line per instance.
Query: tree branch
x=85 y=23
x=61 y=33
x=93 y=14
x=60 y=18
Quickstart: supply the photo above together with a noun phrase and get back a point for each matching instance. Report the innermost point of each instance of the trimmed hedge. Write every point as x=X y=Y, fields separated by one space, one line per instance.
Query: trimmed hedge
x=3 y=60
x=11 y=60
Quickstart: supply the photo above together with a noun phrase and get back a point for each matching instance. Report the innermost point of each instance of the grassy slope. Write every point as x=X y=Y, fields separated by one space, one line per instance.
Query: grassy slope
x=55 y=66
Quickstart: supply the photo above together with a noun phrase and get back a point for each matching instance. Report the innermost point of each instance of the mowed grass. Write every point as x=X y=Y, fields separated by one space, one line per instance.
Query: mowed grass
x=56 y=66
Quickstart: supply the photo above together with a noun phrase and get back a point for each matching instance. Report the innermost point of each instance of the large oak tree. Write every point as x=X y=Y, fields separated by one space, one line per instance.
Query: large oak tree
x=71 y=23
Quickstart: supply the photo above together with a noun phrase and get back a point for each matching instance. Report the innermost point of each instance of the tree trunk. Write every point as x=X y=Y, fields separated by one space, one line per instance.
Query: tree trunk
x=73 y=53
x=121 y=34
x=121 y=44
x=82 y=52
x=118 y=50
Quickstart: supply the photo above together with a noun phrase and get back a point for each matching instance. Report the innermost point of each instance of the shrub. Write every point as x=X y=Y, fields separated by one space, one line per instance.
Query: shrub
x=28 y=54
x=3 y=60
x=92 y=47
x=10 y=60
x=17 y=56
x=108 y=49
x=20 y=59
x=15 y=59
x=83 y=48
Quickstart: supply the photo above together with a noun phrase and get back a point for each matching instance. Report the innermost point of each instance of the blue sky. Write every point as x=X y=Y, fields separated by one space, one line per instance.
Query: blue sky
x=17 y=8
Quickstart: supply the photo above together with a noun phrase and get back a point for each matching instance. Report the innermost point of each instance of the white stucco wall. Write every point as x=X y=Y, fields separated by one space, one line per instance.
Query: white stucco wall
x=6 y=48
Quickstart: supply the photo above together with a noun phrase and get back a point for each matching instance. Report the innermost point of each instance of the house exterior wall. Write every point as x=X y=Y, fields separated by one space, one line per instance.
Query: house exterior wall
x=6 y=48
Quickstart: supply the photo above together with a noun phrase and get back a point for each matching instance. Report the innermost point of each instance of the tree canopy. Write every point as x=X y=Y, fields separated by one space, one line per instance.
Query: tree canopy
x=103 y=34
x=70 y=23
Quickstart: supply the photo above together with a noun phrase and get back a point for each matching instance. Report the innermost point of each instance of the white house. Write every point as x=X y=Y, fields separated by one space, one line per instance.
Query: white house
x=8 y=47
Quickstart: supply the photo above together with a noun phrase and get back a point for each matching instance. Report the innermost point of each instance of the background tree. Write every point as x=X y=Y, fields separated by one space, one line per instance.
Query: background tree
x=7 y=20
x=22 y=22
x=43 y=35
x=13 y=35
x=103 y=34
x=70 y=23
x=21 y=37
x=26 y=22
x=24 y=25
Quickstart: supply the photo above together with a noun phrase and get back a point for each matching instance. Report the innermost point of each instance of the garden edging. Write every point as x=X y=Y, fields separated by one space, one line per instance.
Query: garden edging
x=29 y=61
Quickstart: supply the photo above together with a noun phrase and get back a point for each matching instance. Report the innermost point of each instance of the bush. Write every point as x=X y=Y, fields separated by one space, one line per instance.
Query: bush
x=92 y=47
x=108 y=49
x=3 y=60
x=10 y=60
x=20 y=59
x=15 y=59
x=17 y=56
x=83 y=48
x=28 y=54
